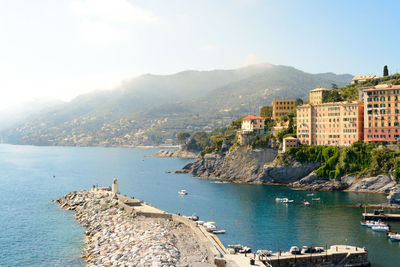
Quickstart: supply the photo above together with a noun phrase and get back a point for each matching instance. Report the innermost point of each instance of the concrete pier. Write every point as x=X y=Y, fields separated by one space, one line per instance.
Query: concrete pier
x=382 y=217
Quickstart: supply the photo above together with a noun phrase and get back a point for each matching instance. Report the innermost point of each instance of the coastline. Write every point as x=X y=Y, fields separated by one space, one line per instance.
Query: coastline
x=125 y=230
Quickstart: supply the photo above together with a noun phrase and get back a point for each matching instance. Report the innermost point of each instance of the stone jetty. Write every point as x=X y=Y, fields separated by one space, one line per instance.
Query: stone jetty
x=116 y=237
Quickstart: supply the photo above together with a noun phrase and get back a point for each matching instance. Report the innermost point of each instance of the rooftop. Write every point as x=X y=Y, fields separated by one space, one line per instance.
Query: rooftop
x=319 y=89
x=253 y=117
x=364 y=77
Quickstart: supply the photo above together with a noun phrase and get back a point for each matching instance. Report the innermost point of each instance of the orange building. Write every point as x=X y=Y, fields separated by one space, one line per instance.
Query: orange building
x=335 y=123
x=382 y=113
x=281 y=107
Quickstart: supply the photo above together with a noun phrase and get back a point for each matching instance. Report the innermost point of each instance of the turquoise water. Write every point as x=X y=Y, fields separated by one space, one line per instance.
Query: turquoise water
x=35 y=232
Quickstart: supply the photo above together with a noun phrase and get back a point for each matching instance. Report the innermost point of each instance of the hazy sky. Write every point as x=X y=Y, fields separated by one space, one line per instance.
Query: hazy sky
x=61 y=48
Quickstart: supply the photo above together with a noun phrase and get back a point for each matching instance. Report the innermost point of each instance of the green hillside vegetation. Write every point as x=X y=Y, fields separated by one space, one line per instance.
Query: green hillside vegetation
x=350 y=91
x=358 y=159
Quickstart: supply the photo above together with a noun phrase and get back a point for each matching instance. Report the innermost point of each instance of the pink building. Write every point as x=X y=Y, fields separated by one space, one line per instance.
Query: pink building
x=336 y=123
x=382 y=113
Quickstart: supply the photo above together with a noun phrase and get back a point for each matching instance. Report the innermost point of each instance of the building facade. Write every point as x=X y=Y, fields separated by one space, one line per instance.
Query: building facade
x=252 y=123
x=289 y=142
x=317 y=95
x=363 y=78
x=281 y=107
x=382 y=113
x=336 y=123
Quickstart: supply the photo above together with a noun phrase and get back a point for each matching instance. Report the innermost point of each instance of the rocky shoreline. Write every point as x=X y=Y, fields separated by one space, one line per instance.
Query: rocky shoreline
x=174 y=154
x=259 y=166
x=117 y=238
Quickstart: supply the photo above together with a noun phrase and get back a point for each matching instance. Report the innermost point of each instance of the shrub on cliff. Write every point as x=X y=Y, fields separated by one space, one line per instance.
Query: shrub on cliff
x=358 y=158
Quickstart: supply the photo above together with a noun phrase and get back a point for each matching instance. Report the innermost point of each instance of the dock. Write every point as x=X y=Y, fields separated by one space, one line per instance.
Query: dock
x=337 y=255
x=382 y=217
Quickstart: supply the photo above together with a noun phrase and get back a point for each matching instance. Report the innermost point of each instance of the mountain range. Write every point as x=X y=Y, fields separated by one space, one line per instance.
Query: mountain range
x=152 y=109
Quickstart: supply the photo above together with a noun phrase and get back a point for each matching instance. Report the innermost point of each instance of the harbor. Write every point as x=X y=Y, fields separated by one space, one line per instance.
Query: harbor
x=122 y=230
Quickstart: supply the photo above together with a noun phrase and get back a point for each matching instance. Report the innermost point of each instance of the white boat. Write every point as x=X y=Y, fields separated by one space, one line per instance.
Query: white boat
x=200 y=222
x=316 y=199
x=310 y=195
x=306 y=203
x=182 y=192
x=380 y=228
x=210 y=226
x=372 y=223
x=394 y=236
x=219 y=232
x=281 y=199
x=192 y=218
x=288 y=201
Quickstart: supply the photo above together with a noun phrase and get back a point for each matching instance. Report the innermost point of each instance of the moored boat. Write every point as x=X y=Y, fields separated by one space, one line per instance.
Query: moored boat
x=380 y=228
x=306 y=203
x=182 y=192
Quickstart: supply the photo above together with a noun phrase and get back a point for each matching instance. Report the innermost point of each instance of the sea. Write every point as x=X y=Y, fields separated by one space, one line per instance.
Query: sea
x=34 y=231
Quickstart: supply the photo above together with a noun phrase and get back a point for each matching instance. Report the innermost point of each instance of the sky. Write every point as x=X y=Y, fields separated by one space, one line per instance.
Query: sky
x=59 y=49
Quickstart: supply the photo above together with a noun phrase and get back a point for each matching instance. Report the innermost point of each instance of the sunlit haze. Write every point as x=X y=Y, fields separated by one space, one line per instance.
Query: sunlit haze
x=60 y=49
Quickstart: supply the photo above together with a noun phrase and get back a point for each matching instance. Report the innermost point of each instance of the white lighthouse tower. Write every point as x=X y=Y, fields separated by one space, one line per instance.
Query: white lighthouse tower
x=114 y=187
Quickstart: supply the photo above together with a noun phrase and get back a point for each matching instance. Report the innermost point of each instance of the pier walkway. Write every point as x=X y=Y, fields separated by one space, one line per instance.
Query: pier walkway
x=338 y=255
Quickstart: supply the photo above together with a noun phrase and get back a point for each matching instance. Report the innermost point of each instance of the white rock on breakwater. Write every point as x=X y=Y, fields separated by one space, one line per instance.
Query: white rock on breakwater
x=117 y=239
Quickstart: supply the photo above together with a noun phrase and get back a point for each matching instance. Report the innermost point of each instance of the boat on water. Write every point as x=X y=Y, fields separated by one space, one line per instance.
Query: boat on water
x=310 y=195
x=194 y=218
x=182 y=192
x=281 y=199
x=372 y=223
x=306 y=203
x=316 y=199
x=394 y=236
x=381 y=228
x=219 y=232
x=210 y=226
x=288 y=201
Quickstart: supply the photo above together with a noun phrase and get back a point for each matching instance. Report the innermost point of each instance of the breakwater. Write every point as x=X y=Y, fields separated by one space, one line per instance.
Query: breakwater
x=116 y=236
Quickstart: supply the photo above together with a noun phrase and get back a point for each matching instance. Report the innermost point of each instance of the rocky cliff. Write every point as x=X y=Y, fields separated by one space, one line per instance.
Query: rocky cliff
x=248 y=165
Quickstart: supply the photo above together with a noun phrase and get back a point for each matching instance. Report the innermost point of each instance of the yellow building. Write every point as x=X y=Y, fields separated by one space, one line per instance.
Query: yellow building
x=281 y=107
x=362 y=78
x=317 y=95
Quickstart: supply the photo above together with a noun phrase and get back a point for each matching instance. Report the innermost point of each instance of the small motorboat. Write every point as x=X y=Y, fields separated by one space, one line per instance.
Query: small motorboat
x=310 y=195
x=210 y=226
x=288 y=201
x=192 y=218
x=306 y=203
x=372 y=223
x=281 y=199
x=381 y=228
x=182 y=192
x=316 y=199
x=219 y=232
x=200 y=222
x=295 y=250
x=394 y=236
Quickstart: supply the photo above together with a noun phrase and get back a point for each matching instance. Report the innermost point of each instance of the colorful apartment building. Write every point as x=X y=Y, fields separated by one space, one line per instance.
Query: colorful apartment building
x=336 y=123
x=281 y=107
x=382 y=113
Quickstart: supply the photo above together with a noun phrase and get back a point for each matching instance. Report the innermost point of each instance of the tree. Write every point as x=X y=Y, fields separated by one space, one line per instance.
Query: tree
x=266 y=112
x=334 y=86
x=385 y=71
x=183 y=137
x=299 y=102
